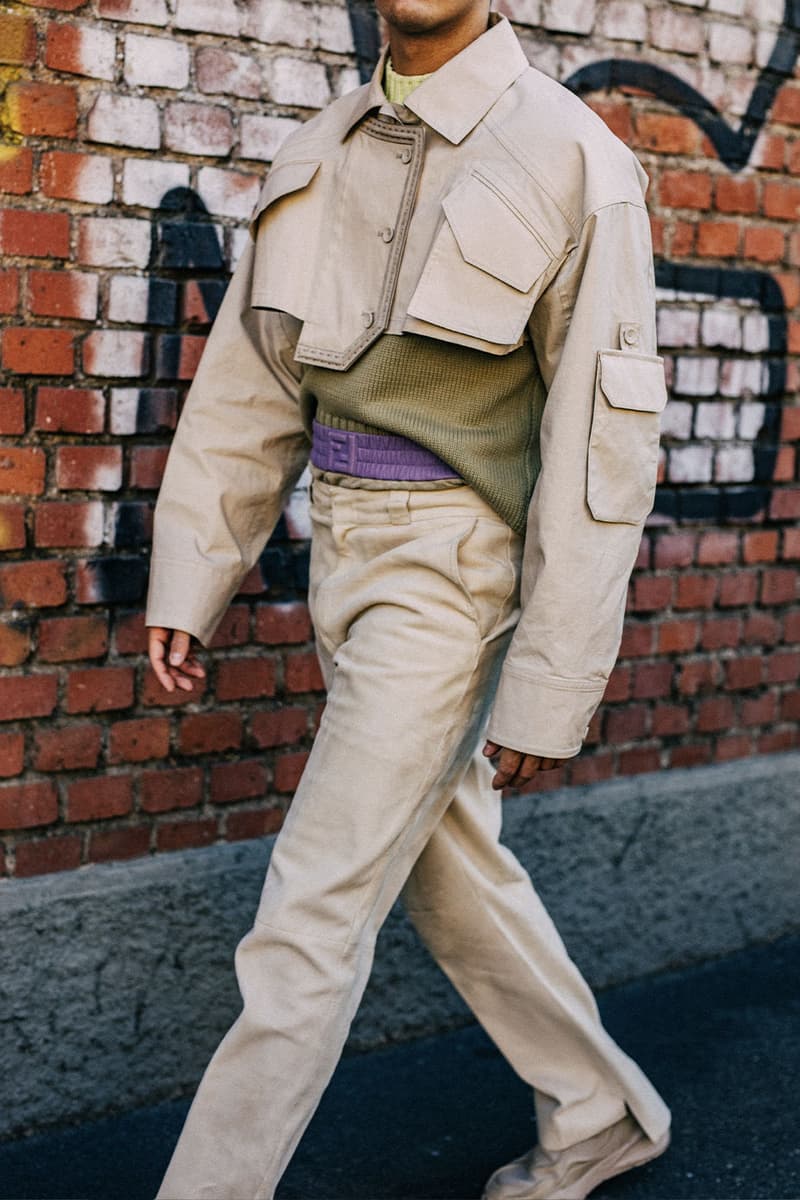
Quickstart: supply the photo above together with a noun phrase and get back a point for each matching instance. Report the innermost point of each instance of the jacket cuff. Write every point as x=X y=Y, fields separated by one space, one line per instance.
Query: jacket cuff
x=542 y=716
x=188 y=595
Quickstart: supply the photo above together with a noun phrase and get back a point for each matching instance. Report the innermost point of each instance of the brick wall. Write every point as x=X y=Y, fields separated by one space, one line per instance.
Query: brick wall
x=135 y=133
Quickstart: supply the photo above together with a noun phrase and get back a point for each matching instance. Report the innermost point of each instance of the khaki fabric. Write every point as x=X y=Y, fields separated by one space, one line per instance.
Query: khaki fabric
x=396 y=799
x=492 y=208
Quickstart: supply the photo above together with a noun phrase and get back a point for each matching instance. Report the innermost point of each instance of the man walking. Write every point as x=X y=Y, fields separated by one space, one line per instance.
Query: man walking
x=448 y=302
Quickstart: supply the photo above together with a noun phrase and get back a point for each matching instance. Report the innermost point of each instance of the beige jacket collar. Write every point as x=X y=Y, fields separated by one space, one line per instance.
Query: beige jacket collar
x=459 y=95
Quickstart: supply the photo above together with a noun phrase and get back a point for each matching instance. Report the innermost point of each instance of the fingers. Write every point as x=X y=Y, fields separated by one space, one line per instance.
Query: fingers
x=181 y=667
x=515 y=769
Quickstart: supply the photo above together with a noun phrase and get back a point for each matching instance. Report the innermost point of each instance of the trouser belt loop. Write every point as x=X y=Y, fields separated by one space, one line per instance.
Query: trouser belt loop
x=398 y=506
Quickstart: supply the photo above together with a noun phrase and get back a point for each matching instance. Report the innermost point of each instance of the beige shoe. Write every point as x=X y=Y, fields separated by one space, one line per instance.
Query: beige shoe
x=571 y=1174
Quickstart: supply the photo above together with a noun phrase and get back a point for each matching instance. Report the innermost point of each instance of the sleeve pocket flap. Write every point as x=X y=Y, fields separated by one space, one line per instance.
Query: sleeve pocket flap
x=282 y=180
x=492 y=237
x=633 y=381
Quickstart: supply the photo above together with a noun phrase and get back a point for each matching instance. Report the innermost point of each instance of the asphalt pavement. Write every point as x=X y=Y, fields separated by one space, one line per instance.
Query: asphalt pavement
x=430 y=1119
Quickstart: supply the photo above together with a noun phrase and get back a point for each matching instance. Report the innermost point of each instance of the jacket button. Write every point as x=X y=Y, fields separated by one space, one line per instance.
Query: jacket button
x=630 y=335
x=405 y=156
x=368 y=318
x=386 y=234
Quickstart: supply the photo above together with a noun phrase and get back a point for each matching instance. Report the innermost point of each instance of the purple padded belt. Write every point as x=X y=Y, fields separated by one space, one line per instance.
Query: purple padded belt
x=375 y=455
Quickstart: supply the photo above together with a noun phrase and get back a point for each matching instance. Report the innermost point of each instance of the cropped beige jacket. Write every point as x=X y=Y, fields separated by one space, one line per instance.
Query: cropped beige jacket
x=493 y=207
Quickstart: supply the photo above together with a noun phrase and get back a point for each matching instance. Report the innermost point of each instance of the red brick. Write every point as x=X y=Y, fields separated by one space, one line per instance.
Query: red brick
x=12 y=411
x=761 y=629
x=640 y=760
x=41 y=584
x=253 y=583
x=737 y=588
x=619 y=685
x=39 y=351
x=769 y=151
x=761 y=710
x=282 y=727
x=715 y=714
x=779 y=586
x=790 y=705
x=16 y=170
x=786 y=106
x=721 y=632
x=791 y=627
x=17 y=39
x=791 y=544
x=9 y=291
x=23 y=805
x=177 y=787
x=675 y=550
x=784 y=469
x=744 y=672
x=733 y=195
x=43 y=109
x=238 y=781
x=65 y=639
x=643 y=554
x=147 y=466
x=131 y=633
x=716 y=548
x=638 y=639
x=591 y=768
x=678 y=636
x=670 y=720
x=683 y=238
x=15 y=642
x=139 y=739
x=12 y=754
x=764 y=243
x=696 y=591
x=652 y=679
x=781 y=200
x=96 y=468
x=96 y=798
x=616 y=115
x=288 y=770
x=252 y=823
x=302 y=672
x=99 y=689
x=44 y=856
x=651 y=593
x=206 y=733
x=12 y=527
x=685 y=189
x=626 y=724
x=153 y=694
x=657 y=231
x=760 y=545
x=777 y=741
x=666 y=134
x=785 y=504
x=181 y=835
x=279 y=624
x=718 y=239
x=690 y=756
x=21 y=470
x=68 y=523
x=34 y=234
x=84 y=177
x=105 y=844
x=696 y=676
x=71 y=294
x=242 y=678
x=783 y=667
x=80 y=49
x=233 y=629
x=74 y=747
x=737 y=745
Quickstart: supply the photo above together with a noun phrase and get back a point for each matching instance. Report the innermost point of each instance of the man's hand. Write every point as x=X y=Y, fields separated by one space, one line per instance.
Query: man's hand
x=515 y=769
x=180 y=666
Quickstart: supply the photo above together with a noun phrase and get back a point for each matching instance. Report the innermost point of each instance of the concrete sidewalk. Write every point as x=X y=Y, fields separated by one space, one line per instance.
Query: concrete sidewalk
x=430 y=1119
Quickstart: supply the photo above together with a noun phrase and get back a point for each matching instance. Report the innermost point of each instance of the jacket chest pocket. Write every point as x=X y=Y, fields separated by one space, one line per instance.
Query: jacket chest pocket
x=285 y=225
x=629 y=395
x=485 y=270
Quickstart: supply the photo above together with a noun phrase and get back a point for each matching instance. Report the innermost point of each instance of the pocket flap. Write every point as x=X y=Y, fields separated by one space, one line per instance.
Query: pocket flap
x=633 y=380
x=492 y=236
x=281 y=181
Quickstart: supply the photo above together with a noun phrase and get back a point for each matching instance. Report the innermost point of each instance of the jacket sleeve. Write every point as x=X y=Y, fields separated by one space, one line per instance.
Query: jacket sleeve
x=593 y=332
x=238 y=449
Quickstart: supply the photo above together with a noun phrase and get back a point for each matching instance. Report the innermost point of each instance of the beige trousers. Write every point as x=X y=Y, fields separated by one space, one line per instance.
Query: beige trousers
x=414 y=596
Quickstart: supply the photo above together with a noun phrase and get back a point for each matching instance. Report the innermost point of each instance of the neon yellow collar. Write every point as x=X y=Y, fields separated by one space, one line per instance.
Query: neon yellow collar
x=399 y=87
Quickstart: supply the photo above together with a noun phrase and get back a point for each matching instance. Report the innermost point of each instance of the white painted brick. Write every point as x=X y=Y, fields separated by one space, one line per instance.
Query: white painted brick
x=204 y=129
x=623 y=20
x=715 y=420
x=545 y=56
x=690 y=464
x=569 y=16
x=676 y=420
x=82 y=50
x=260 y=138
x=334 y=31
x=124 y=407
x=574 y=56
x=696 y=376
x=156 y=62
x=751 y=419
x=114 y=241
x=730 y=43
x=124 y=121
x=678 y=326
x=755 y=333
x=765 y=12
x=137 y=12
x=741 y=377
x=228 y=193
x=89 y=177
x=734 y=464
x=223 y=71
x=765 y=44
x=296 y=512
x=346 y=80
x=522 y=12
x=298 y=82
x=733 y=8
x=128 y=299
x=281 y=23
x=208 y=16
x=237 y=240
x=115 y=353
x=146 y=182
x=739 y=91
x=673 y=29
x=721 y=328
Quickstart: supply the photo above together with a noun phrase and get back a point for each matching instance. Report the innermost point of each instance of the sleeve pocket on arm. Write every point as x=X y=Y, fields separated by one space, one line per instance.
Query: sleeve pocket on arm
x=630 y=393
